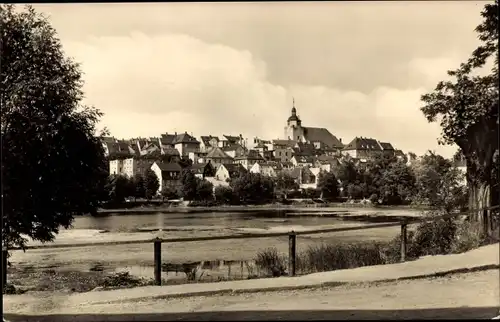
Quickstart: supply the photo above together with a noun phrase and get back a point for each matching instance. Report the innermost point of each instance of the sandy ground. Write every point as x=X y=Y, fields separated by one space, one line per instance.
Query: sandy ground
x=472 y=295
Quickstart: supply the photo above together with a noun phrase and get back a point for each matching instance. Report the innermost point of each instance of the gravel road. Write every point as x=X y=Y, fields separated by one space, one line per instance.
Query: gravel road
x=461 y=296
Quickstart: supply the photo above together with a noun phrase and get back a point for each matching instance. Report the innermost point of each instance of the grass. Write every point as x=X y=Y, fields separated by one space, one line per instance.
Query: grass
x=439 y=237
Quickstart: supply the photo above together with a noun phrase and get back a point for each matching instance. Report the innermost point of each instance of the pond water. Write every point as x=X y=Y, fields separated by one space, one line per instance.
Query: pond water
x=208 y=260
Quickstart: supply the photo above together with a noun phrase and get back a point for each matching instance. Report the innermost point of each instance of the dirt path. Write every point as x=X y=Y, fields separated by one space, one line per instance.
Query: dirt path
x=472 y=295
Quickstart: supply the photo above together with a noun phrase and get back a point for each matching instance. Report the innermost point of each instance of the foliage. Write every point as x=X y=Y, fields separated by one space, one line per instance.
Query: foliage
x=139 y=186
x=438 y=184
x=193 y=188
x=285 y=182
x=224 y=195
x=271 y=262
x=204 y=190
x=169 y=193
x=253 y=188
x=189 y=185
x=329 y=257
x=118 y=188
x=351 y=179
x=397 y=184
x=151 y=184
x=311 y=193
x=467 y=108
x=41 y=93
x=328 y=185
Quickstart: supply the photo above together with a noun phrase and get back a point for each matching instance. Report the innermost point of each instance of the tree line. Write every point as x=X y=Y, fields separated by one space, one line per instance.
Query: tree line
x=432 y=180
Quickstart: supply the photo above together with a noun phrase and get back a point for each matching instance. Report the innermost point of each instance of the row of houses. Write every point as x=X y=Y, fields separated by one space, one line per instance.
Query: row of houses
x=303 y=148
x=169 y=173
x=136 y=155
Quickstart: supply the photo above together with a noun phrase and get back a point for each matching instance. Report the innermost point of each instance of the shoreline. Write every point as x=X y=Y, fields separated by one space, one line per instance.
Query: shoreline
x=250 y=208
x=338 y=211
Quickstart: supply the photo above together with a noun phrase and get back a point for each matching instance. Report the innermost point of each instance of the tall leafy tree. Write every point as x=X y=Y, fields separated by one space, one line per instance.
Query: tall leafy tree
x=139 y=186
x=119 y=188
x=253 y=188
x=285 y=182
x=467 y=108
x=438 y=183
x=151 y=184
x=204 y=190
x=328 y=185
x=397 y=184
x=188 y=185
x=53 y=165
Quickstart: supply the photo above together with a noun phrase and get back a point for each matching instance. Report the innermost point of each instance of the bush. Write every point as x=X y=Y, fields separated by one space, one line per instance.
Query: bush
x=202 y=203
x=329 y=257
x=433 y=238
x=311 y=193
x=224 y=195
x=467 y=237
x=123 y=279
x=271 y=262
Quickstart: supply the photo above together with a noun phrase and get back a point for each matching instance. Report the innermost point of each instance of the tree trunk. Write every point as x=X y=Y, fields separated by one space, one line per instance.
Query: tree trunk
x=480 y=198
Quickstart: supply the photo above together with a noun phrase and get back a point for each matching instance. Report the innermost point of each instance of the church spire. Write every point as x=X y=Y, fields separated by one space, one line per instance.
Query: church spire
x=294 y=110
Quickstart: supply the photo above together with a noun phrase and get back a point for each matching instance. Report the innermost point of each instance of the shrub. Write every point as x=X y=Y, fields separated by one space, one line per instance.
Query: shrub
x=271 y=262
x=123 y=279
x=467 y=237
x=202 y=203
x=433 y=238
x=224 y=195
x=328 y=257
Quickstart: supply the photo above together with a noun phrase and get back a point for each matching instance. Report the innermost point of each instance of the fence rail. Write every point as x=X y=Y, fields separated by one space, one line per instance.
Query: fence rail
x=291 y=239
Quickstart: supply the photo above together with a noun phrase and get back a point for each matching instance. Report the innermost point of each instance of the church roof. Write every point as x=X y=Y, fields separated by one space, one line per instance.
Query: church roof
x=318 y=134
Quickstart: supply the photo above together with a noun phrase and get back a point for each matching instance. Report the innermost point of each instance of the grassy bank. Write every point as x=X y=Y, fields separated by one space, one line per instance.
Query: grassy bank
x=434 y=238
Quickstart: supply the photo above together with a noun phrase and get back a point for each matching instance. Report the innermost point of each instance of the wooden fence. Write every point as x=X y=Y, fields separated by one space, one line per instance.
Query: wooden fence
x=292 y=240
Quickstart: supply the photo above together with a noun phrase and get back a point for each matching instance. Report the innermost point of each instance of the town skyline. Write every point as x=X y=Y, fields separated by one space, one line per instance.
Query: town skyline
x=227 y=68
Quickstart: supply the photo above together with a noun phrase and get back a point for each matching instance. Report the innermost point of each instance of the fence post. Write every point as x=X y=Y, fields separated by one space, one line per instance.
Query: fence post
x=292 y=238
x=4 y=268
x=404 y=227
x=157 y=259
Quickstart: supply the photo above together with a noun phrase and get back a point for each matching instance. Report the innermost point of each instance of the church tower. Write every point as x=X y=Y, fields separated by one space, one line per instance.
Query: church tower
x=293 y=128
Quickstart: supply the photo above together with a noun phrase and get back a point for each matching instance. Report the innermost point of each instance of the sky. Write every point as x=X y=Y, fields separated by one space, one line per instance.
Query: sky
x=355 y=68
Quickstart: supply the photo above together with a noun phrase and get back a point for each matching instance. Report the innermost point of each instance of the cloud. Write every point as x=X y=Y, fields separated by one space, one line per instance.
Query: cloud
x=147 y=85
x=346 y=45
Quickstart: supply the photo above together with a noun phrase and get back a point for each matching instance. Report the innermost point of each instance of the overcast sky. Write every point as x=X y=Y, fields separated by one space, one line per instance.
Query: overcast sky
x=355 y=68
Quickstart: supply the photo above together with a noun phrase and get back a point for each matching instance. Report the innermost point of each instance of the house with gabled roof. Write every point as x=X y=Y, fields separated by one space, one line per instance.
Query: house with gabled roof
x=216 y=156
x=169 y=174
x=185 y=143
x=230 y=171
x=248 y=159
x=202 y=170
x=302 y=160
x=166 y=141
x=387 y=148
x=363 y=148
x=207 y=142
x=228 y=140
x=234 y=150
x=264 y=169
x=327 y=163
x=303 y=176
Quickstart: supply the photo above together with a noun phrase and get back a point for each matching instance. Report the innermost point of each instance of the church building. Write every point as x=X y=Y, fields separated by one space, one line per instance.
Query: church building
x=321 y=138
